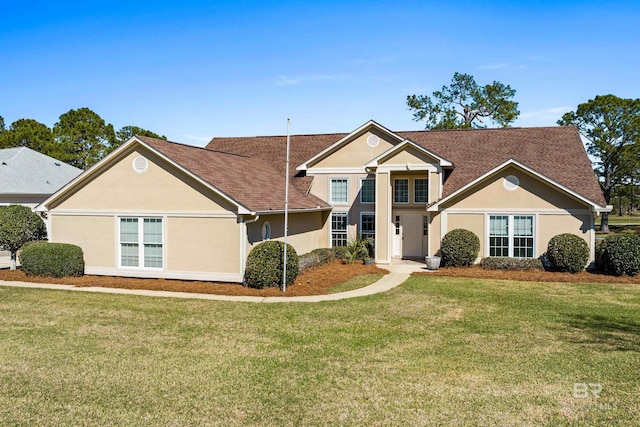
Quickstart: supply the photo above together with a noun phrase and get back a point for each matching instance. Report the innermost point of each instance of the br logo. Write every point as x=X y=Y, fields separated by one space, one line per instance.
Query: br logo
x=583 y=390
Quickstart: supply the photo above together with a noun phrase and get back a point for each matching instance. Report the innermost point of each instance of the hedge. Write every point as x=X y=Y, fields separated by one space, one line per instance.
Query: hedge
x=52 y=259
x=266 y=262
x=509 y=263
x=315 y=258
x=568 y=252
x=620 y=254
x=459 y=248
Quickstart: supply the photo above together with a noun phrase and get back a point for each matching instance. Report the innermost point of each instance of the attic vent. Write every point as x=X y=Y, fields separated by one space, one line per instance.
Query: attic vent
x=373 y=141
x=140 y=164
x=511 y=182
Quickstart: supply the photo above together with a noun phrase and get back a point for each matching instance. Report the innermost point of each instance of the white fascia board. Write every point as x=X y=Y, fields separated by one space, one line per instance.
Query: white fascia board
x=511 y=162
x=441 y=161
x=242 y=210
x=342 y=141
x=281 y=211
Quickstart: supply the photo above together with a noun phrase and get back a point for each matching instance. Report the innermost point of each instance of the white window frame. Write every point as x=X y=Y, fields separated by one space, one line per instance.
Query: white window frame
x=360 y=229
x=338 y=202
x=362 y=180
x=395 y=180
x=510 y=232
x=346 y=229
x=141 y=243
x=415 y=192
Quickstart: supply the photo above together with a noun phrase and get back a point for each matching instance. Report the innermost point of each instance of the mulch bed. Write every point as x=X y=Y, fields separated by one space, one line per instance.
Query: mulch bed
x=316 y=281
x=533 y=275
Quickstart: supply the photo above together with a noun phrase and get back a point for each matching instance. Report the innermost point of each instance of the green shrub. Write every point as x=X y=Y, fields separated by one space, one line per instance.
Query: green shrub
x=266 y=262
x=339 y=251
x=620 y=254
x=568 y=252
x=509 y=263
x=19 y=225
x=357 y=248
x=315 y=258
x=459 y=248
x=52 y=259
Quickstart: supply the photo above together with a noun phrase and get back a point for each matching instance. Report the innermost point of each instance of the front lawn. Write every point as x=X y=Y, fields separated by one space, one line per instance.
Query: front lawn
x=434 y=351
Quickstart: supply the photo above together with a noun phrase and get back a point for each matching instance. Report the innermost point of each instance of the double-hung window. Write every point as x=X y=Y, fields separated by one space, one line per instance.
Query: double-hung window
x=368 y=190
x=421 y=190
x=338 y=229
x=368 y=225
x=141 y=242
x=339 y=190
x=401 y=190
x=511 y=235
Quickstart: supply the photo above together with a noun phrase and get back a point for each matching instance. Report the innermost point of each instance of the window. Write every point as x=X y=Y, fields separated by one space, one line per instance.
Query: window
x=339 y=193
x=368 y=225
x=368 y=190
x=397 y=225
x=338 y=229
x=401 y=191
x=141 y=240
x=425 y=225
x=421 y=190
x=266 y=231
x=511 y=235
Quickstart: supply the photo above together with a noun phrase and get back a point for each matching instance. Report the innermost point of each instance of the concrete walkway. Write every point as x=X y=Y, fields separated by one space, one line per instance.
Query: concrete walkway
x=398 y=273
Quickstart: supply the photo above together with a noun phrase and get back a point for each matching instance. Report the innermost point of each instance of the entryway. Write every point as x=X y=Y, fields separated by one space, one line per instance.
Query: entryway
x=408 y=235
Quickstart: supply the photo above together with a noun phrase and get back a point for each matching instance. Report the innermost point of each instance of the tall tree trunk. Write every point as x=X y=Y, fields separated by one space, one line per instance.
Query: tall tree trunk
x=604 y=222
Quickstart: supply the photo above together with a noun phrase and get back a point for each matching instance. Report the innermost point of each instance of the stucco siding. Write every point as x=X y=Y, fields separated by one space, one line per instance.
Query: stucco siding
x=203 y=245
x=469 y=221
x=356 y=153
x=530 y=194
x=94 y=234
x=305 y=230
x=160 y=188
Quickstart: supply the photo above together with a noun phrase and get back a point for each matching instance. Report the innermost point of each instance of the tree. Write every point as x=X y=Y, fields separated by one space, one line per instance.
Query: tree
x=463 y=104
x=84 y=137
x=611 y=128
x=19 y=225
x=127 y=132
x=29 y=133
x=2 y=126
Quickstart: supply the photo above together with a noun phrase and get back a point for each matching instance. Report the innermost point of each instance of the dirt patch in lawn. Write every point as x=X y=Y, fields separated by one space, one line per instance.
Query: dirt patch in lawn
x=533 y=275
x=316 y=281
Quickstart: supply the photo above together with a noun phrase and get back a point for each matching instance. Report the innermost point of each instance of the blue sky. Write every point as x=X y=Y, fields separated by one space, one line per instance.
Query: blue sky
x=192 y=70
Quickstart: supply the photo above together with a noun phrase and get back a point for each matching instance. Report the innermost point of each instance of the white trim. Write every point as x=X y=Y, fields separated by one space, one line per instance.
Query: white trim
x=414 y=191
x=166 y=274
x=519 y=211
x=244 y=231
x=524 y=168
x=126 y=146
x=510 y=236
x=375 y=162
x=140 y=243
x=393 y=190
x=331 y=226
x=338 y=178
x=374 y=191
x=318 y=171
x=344 y=140
x=294 y=211
x=111 y=212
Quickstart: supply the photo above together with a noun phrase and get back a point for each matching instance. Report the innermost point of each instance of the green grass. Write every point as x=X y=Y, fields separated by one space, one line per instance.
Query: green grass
x=434 y=351
x=356 y=283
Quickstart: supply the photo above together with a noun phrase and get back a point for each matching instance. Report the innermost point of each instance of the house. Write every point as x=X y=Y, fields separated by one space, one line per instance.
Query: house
x=154 y=208
x=28 y=177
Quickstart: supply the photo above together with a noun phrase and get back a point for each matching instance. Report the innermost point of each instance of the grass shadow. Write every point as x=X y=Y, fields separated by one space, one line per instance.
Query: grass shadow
x=604 y=332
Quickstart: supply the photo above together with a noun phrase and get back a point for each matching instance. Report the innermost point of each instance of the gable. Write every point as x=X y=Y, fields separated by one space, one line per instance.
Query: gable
x=408 y=155
x=356 y=152
x=116 y=186
x=531 y=193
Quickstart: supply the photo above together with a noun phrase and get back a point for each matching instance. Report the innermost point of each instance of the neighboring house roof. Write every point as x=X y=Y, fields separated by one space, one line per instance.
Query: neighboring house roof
x=250 y=181
x=556 y=153
x=24 y=171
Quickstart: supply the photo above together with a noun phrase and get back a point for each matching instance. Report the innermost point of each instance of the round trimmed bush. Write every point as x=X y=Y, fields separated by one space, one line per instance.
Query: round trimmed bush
x=266 y=262
x=568 y=252
x=620 y=254
x=52 y=259
x=459 y=248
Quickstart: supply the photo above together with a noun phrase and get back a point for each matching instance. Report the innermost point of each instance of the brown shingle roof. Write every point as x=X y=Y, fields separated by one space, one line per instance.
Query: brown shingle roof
x=251 y=182
x=554 y=152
